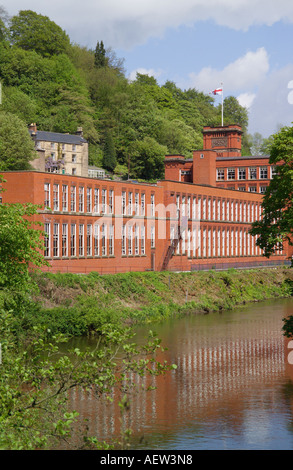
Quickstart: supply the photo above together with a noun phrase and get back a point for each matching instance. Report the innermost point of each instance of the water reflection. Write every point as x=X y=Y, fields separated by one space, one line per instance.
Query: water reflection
x=231 y=389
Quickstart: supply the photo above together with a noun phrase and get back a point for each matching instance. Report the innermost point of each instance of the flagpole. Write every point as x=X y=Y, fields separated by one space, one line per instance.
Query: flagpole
x=222 y=104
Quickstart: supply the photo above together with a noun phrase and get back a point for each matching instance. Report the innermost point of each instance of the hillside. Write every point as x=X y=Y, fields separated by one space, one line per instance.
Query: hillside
x=59 y=85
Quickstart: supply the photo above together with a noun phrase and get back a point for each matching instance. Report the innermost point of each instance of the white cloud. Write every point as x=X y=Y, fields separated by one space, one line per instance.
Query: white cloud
x=127 y=23
x=271 y=107
x=246 y=99
x=244 y=73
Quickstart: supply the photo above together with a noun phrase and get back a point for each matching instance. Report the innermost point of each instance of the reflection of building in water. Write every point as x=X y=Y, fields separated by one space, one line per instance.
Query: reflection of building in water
x=215 y=371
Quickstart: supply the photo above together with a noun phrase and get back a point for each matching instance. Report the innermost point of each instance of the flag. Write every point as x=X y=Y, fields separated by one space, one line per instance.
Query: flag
x=217 y=91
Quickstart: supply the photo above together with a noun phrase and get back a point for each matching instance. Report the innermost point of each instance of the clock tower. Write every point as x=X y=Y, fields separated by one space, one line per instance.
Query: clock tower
x=224 y=140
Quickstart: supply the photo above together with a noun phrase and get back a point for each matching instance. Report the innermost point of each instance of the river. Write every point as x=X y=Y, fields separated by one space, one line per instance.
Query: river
x=232 y=389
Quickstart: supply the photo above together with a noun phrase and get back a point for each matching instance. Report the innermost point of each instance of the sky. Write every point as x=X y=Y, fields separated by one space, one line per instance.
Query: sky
x=245 y=45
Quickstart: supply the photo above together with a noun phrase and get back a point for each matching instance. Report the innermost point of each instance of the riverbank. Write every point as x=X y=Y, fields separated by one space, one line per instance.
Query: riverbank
x=77 y=304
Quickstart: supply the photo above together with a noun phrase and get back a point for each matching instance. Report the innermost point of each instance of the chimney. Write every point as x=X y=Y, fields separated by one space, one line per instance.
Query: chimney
x=33 y=127
x=79 y=131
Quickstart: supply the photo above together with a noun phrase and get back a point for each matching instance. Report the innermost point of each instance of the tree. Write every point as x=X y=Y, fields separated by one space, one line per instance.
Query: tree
x=100 y=55
x=32 y=31
x=109 y=157
x=37 y=376
x=16 y=145
x=276 y=224
x=147 y=159
x=21 y=246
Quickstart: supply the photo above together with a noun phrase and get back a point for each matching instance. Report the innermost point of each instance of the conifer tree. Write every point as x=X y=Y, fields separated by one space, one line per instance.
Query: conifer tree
x=109 y=158
x=100 y=55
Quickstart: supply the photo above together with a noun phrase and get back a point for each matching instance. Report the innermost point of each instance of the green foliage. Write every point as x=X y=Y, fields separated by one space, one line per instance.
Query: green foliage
x=61 y=86
x=31 y=31
x=20 y=245
x=16 y=146
x=39 y=370
x=100 y=55
x=109 y=157
x=147 y=159
x=276 y=224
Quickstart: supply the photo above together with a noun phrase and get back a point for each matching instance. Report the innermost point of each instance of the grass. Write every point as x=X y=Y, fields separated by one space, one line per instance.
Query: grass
x=78 y=304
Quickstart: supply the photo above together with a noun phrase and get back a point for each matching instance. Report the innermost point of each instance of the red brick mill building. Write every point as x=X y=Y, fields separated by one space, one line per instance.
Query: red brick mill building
x=197 y=218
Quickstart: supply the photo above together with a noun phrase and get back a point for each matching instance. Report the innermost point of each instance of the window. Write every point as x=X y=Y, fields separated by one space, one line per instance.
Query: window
x=73 y=171
x=123 y=203
x=241 y=188
x=56 y=197
x=52 y=145
x=104 y=240
x=231 y=173
x=97 y=240
x=183 y=241
x=220 y=174
x=142 y=241
x=73 y=240
x=199 y=242
x=262 y=189
x=188 y=207
x=47 y=240
x=204 y=209
x=56 y=240
x=252 y=189
x=204 y=245
x=111 y=201
x=178 y=205
x=73 y=198
x=111 y=240
x=199 y=208
x=188 y=243
x=96 y=200
x=274 y=171
x=65 y=197
x=193 y=208
x=64 y=240
x=263 y=172
x=152 y=205
x=104 y=201
x=130 y=203
x=89 y=240
x=241 y=173
x=232 y=242
x=80 y=199
x=73 y=158
x=136 y=203
x=223 y=242
x=252 y=173
x=89 y=199
x=73 y=147
x=123 y=241
x=47 y=195
x=130 y=240
x=153 y=237
x=136 y=240
x=183 y=206
x=81 y=239
x=143 y=204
